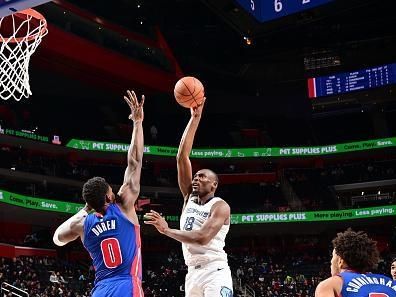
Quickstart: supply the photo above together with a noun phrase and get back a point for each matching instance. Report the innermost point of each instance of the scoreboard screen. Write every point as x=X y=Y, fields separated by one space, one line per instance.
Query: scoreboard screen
x=266 y=10
x=352 y=81
x=8 y=7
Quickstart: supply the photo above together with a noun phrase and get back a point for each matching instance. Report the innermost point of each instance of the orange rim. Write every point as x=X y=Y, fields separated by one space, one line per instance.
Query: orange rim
x=35 y=14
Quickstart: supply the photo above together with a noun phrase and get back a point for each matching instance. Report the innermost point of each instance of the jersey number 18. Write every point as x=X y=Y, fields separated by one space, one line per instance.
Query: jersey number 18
x=189 y=223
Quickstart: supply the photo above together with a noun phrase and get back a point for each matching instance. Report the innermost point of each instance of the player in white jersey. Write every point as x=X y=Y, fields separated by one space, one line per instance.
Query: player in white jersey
x=204 y=223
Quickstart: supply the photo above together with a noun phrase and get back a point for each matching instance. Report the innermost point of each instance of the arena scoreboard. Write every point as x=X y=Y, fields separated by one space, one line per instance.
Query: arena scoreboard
x=266 y=10
x=8 y=7
x=363 y=79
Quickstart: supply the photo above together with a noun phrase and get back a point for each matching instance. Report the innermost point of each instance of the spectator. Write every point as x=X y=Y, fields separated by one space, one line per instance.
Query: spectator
x=154 y=133
x=53 y=277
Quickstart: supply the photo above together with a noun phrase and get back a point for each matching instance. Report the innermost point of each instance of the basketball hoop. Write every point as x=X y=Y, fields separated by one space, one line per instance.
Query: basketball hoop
x=20 y=35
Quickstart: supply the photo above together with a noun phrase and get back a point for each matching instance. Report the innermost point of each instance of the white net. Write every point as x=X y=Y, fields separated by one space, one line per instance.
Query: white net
x=20 y=35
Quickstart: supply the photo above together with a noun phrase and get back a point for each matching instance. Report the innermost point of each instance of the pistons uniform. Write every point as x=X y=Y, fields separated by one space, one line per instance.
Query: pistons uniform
x=114 y=244
x=366 y=285
x=208 y=271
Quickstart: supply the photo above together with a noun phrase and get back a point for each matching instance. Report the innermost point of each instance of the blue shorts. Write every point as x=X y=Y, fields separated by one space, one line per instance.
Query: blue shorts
x=118 y=287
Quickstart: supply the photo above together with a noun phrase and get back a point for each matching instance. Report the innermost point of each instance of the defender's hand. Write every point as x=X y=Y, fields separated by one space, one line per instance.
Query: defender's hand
x=137 y=113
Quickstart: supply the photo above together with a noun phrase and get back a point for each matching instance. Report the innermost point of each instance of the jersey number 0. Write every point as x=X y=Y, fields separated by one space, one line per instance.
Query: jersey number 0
x=111 y=252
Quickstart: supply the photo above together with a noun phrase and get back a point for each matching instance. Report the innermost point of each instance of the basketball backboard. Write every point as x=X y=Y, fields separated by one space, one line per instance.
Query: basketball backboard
x=8 y=7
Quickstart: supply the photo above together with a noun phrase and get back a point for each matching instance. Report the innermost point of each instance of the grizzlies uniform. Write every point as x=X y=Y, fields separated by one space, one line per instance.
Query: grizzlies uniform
x=366 y=285
x=208 y=271
x=114 y=245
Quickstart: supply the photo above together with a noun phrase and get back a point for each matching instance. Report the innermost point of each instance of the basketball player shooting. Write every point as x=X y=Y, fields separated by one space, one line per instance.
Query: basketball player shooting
x=111 y=235
x=204 y=223
x=354 y=255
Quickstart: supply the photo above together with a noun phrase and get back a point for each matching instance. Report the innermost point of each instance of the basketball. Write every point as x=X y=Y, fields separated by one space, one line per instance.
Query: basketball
x=189 y=92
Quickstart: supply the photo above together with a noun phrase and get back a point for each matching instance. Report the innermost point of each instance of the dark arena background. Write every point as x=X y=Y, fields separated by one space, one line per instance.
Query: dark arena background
x=299 y=124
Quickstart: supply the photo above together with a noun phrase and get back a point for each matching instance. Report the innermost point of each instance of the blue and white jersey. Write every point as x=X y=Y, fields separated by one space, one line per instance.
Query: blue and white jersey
x=367 y=285
x=114 y=244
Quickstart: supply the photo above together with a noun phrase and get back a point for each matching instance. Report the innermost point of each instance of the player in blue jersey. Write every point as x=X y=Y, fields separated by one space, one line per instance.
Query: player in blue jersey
x=393 y=269
x=354 y=253
x=111 y=234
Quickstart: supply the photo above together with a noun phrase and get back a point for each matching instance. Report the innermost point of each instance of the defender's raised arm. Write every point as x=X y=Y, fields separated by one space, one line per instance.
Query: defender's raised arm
x=135 y=152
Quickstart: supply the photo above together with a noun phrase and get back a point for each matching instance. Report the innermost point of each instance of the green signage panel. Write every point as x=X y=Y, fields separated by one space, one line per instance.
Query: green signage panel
x=248 y=218
x=262 y=152
x=24 y=134
x=51 y=205
x=314 y=216
x=39 y=203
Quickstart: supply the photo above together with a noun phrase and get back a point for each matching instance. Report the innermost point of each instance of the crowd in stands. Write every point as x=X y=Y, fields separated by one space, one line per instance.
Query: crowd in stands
x=46 y=277
x=348 y=172
x=316 y=186
x=64 y=177
x=164 y=276
x=270 y=273
x=237 y=129
x=263 y=196
x=284 y=278
x=310 y=185
x=109 y=126
x=288 y=276
x=359 y=172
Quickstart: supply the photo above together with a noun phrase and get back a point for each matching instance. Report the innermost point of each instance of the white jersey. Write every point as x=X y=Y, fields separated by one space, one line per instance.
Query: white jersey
x=192 y=218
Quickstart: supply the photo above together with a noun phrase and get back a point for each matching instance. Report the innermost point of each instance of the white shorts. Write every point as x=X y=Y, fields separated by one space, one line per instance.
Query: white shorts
x=209 y=280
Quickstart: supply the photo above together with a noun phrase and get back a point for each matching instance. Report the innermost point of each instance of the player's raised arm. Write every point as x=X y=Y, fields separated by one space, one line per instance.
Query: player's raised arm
x=130 y=189
x=184 y=169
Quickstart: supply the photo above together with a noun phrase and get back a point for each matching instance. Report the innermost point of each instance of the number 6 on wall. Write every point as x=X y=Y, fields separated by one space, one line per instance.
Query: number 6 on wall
x=111 y=252
x=278 y=5
x=252 y=4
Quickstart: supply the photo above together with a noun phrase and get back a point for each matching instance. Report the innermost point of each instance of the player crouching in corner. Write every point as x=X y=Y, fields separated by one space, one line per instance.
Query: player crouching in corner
x=354 y=253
